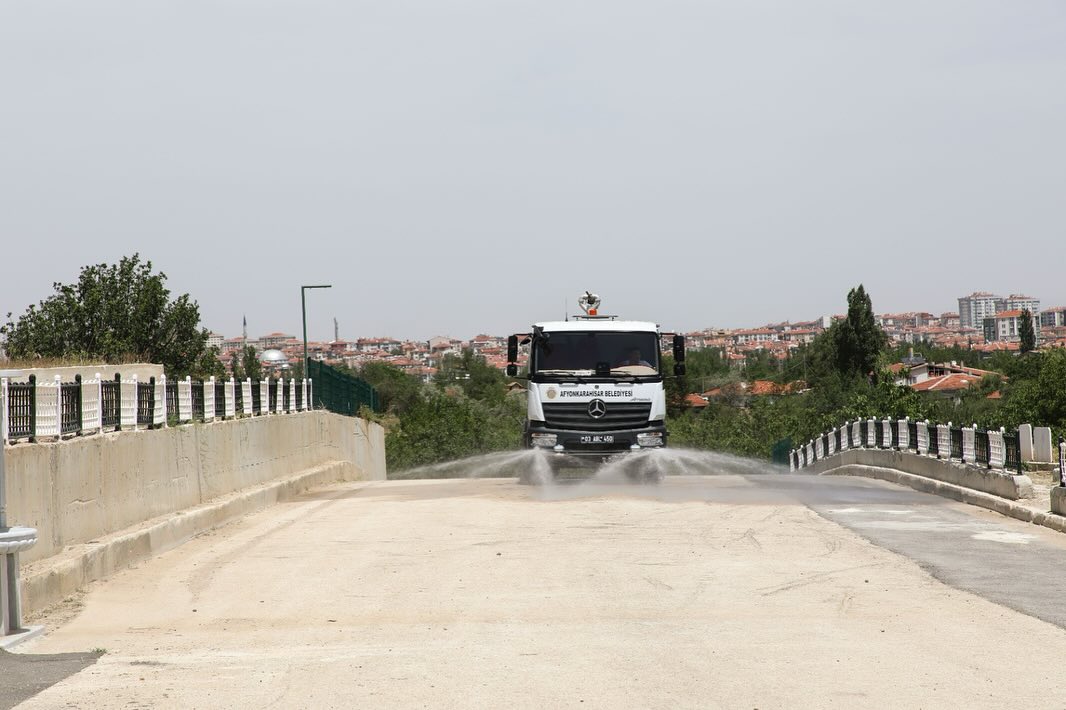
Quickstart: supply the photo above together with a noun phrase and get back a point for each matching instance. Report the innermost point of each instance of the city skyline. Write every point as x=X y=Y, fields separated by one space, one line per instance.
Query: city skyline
x=936 y=313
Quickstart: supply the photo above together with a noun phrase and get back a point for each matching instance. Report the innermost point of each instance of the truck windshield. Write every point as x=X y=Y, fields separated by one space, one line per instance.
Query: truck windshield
x=596 y=351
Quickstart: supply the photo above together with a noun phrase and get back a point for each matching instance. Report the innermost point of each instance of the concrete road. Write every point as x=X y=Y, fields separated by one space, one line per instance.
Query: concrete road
x=709 y=592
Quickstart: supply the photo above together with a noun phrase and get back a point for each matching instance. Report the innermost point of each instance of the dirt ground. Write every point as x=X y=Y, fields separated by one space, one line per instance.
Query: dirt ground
x=708 y=593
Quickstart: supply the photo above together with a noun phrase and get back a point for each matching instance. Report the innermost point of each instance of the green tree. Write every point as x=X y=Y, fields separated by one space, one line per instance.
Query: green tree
x=439 y=428
x=397 y=391
x=858 y=340
x=113 y=312
x=209 y=365
x=253 y=367
x=245 y=364
x=473 y=375
x=761 y=366
x=1027 y=333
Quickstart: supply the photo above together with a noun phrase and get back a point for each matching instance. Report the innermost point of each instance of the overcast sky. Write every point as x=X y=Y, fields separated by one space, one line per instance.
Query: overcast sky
x=472 y=166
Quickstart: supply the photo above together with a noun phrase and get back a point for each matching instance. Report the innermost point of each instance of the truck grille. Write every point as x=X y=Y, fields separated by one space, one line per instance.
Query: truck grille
x=575 y=415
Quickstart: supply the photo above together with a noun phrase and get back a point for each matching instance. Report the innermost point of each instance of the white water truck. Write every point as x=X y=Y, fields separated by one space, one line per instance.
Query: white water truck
x=595 y=390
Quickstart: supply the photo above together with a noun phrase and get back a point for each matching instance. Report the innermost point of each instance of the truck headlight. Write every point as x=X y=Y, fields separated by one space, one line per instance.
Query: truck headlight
x=544 y=440
x=650 y=439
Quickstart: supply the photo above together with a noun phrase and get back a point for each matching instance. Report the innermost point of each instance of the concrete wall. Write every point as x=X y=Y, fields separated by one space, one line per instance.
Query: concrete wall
x=78 y=490
x=997 y=482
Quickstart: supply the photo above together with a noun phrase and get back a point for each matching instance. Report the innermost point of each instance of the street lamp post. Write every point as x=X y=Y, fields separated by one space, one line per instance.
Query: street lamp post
x=303 y=308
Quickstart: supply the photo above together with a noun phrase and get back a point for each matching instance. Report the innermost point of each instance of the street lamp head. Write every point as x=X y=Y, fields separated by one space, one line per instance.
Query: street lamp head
x=319 y=286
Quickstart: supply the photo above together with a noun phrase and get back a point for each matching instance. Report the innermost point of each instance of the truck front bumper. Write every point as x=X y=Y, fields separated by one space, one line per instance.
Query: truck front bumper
x=594 y=445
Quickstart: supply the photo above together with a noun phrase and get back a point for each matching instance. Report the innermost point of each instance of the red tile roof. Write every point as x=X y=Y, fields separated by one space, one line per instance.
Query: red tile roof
x=695 y=401
x=953 y=382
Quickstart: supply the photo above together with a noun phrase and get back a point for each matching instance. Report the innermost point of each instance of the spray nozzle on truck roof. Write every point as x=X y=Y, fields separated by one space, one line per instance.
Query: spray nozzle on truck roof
x=589 y=303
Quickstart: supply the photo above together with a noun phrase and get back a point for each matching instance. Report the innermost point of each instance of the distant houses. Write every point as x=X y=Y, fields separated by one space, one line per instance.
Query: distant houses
x=985 y=323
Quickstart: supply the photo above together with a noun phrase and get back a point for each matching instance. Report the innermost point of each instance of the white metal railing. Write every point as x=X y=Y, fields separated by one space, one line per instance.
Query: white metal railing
x=53 y=409
x=994 y=449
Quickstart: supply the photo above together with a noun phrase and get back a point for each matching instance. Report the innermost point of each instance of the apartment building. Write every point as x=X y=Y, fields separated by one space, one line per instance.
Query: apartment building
x=1006 y=326
x=1053 y=317
x=1017 y=302
x=973 y=309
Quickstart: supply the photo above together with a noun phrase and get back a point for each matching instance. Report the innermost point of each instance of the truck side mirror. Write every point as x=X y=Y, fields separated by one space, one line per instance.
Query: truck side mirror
x=679 y=348
x=512 y=370
x=679 y=369
x=512 y=349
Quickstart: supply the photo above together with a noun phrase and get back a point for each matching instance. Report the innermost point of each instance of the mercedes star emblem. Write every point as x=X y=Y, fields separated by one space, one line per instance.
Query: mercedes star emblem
x=597 y=408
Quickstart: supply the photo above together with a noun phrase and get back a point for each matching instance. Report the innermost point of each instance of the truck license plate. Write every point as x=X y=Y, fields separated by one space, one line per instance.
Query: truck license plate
x=597 y=439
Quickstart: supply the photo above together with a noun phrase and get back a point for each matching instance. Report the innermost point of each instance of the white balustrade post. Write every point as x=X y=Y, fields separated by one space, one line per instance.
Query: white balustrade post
x=1042 y=446
x=185 y=399
x=59 y=406
x=1025 y=441
x=943 y=441
x=48 y=404
x=88 y=420
x=856 y=434
x=832 y=442
x=969 y=444
x=3 y=413
x=246 y=399
x=845 y=436
x=923 y=438
x=231 y=398
x=886 y=433
x=997 y=452
x=264 y=397
x=904 y=433
x=209 y=399
x=279 y=400
x=310 y=393
x=99 y=403
x=1062 y=461
x=135 y=401
x=292 y=395
x=159 y=415
x=871 y=433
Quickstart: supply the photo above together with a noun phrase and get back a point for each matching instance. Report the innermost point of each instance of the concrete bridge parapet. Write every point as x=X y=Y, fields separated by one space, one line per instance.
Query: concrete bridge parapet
x=1001 y=483
x=104 y=502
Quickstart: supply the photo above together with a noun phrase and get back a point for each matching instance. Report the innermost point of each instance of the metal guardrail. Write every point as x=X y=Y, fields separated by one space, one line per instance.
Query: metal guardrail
x=1062 y=461
x=60 y=409
x=1012 y=451
x=990 y=449
x=981 y=447
x=956 y=443
x=22 y=409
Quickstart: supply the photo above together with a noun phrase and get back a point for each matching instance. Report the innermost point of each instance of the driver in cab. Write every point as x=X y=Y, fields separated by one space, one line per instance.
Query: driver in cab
x=633 y=357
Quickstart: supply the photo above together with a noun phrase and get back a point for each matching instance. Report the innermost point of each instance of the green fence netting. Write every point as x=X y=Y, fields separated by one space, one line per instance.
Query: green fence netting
x=339 y=392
